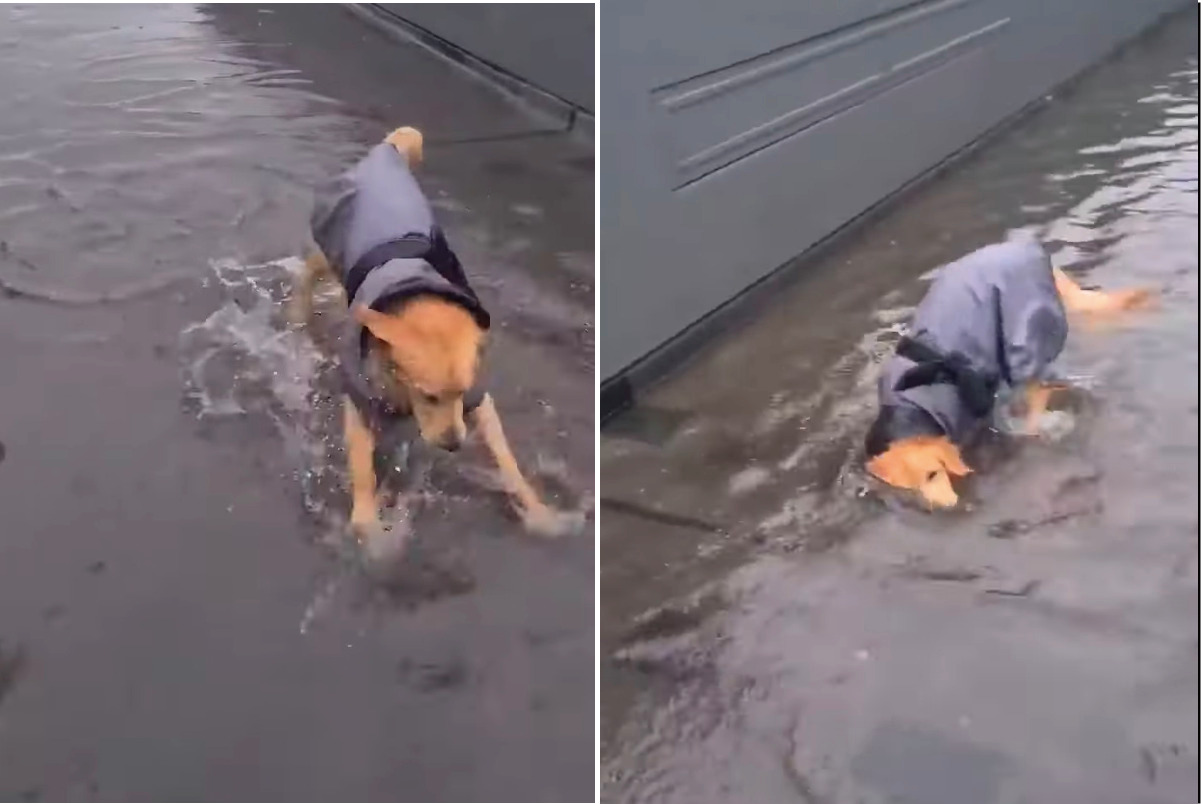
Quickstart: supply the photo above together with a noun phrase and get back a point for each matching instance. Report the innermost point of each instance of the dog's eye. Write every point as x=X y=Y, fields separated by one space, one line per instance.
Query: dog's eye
x=431 y=399
x=933 y=475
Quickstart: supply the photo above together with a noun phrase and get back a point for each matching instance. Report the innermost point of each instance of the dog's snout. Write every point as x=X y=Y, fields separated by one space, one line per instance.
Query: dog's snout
x=450 y=442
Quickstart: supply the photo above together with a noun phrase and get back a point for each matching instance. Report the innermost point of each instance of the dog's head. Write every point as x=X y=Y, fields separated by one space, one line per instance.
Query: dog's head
x=923 y=464
x=434 y=346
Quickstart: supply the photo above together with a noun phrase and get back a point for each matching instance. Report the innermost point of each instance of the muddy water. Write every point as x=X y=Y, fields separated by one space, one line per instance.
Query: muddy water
x=775 y=630
x=181 y=614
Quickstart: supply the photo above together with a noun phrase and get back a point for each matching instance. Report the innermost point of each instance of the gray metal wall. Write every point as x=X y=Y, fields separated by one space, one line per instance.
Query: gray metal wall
x=737 y=134
x=549 y=45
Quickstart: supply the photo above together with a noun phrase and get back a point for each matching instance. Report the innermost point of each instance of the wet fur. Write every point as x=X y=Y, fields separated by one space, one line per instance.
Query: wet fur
x=423 y=355
x=927 y=464
x=426 y=354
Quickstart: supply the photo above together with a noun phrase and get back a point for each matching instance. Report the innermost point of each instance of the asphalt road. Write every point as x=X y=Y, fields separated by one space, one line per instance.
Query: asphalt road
x=180 y=614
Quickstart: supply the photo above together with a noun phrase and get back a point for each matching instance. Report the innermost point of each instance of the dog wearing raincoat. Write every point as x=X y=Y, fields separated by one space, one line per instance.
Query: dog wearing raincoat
x=996 y=317
x=417 y=329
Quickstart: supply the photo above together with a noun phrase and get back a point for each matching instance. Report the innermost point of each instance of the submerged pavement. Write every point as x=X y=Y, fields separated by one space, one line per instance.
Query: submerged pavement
x=180 y=614
x=774 y=630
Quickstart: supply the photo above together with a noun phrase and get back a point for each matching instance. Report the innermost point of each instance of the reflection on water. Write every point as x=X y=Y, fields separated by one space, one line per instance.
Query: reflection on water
x=920 y=647
x=130 y=134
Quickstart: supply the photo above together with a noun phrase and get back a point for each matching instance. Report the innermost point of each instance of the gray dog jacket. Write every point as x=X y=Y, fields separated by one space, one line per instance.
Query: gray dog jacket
x=376 y=229
x=990 y=318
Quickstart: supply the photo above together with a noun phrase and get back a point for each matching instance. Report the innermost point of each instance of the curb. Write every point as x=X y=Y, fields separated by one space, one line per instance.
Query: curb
x=572 y=118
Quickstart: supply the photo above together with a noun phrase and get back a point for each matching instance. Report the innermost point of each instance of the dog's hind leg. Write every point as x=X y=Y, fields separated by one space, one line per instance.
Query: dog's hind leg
x=1080 y=300
x=360 y=456
x=314 y=270
x=1036 y=395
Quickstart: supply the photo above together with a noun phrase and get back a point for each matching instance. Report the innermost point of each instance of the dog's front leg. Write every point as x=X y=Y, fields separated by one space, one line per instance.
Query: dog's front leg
x=536 y=515
x=1037 y=396
x=360 y=455
x=315 y=269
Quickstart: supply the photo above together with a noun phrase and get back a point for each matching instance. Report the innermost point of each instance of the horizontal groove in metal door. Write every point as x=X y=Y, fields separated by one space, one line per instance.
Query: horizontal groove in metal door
x=696 y=115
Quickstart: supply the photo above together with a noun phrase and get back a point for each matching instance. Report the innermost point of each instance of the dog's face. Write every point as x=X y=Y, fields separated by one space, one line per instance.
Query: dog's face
x=923 y=464
x=434 y=346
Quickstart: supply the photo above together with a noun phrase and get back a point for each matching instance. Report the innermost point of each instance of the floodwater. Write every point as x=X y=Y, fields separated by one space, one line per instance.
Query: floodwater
x=774 y=629
x=181 y=613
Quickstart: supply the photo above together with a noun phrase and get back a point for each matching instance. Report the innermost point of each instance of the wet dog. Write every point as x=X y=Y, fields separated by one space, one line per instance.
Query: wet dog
x=996 y=317
x=417 y=328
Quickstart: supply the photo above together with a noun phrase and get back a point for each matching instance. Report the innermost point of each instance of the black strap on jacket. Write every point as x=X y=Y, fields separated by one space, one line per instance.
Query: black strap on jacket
x=433 y=249
x=406 y=248
x=976 y=390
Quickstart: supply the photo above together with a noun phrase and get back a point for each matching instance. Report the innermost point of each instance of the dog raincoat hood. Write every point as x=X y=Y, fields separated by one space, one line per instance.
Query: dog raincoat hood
x=995 y=312
x=377 y=231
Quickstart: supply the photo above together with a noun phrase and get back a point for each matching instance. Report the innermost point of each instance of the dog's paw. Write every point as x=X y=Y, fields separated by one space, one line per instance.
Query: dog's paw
x=1055 y=425
x=382 y=543
x=550 y=523
x=364 y=518
x=298 y=310
x=386 y=547
x=1134 y=299
x=1051 y=426
x=365 y=525
x=1102 y=302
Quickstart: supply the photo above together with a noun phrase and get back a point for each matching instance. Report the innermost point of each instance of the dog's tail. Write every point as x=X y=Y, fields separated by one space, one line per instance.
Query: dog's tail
x=408 y=141
x=1080 y=300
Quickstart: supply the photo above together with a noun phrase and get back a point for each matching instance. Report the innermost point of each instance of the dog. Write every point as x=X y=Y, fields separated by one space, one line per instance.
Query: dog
x=417 y=329
x=996 y=316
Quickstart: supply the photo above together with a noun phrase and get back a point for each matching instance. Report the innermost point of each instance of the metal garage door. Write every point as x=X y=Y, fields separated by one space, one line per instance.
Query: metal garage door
x=737 y=134
x=550 y=45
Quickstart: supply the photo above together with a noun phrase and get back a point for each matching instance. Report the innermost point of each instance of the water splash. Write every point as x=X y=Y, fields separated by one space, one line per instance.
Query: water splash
x=245 y=363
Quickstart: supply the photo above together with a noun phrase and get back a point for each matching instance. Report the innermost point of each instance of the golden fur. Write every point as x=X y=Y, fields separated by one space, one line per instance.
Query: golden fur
x=926 y=464
x=434 y=346
x=923 y=464
x=1078 y=300
x=427 y=356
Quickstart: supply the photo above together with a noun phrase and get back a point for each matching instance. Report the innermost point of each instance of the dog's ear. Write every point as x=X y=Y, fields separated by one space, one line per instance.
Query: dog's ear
x=952 y=460
x=887 y=467
x=380 y=325
x=409 y=142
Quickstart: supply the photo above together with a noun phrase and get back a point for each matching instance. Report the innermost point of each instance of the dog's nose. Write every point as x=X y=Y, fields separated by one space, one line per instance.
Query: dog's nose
x=450 y=443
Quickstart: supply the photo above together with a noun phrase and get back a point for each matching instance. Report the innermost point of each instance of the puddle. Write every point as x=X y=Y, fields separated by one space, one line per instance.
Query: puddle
x=245 y=366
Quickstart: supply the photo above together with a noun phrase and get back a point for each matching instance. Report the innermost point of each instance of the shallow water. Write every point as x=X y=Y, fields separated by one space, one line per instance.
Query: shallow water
x=158 y=157
x=818 y=641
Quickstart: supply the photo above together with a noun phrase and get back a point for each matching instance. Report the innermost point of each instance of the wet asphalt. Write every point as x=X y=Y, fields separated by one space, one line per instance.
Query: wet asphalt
x=774 y=629
x=181 y=616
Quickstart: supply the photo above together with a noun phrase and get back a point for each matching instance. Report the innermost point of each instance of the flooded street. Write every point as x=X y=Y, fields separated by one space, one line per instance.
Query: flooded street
x=774 y=630
x=180 y=613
